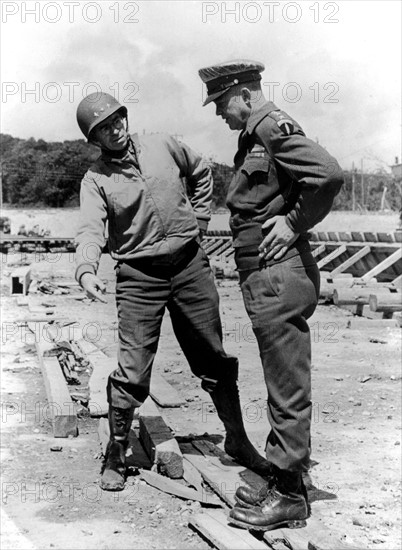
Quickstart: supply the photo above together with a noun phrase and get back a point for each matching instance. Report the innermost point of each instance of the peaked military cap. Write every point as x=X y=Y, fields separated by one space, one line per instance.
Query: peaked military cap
x=221 y=77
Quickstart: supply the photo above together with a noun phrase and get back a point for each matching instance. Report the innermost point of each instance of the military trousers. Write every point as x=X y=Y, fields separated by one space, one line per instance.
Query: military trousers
x=184 y=284
x=279 y=298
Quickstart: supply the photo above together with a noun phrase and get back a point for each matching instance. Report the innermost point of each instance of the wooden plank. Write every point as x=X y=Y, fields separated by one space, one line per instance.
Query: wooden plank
x=357 y=236
x=334 y=254
x=192 y=475
x=223 y=536
x=370 y=237
x=160 y=445
x=350 y=261
x=345 y=236
x=20 y=280
x=163 y=392
x=86 y=347
x=356 y=295
x=221 y=472
x=322 y=235
x=393 y=258
x=359 y=323
x=386 y=302
x=225 y=247
x=174 y=488
x=319 y=250
x=333 y=236
x=385 y=237
x=62 y=411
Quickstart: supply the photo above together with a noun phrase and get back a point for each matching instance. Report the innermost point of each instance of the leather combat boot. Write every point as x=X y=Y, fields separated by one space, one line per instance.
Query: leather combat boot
x=284 y=506
x=114 y=468
x=225 y=397
x=246 y=497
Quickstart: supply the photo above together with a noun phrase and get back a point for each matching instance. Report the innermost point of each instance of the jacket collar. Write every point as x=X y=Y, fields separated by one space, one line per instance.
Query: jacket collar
x=258 y=114
x=128 y=155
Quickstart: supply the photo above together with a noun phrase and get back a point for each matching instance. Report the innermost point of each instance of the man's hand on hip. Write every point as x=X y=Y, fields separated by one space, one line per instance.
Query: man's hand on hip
x=93 y=286
x=280 y=237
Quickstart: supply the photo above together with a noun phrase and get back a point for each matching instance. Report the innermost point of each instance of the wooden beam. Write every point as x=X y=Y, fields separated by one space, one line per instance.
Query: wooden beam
x=356 y=295
x=334 y=254
x=61 y=409
x=214 y=526
x=350 y=261
x=159 y=443
x=393 y=258
x=387 y=303
x=319 y=250
x=173 y=488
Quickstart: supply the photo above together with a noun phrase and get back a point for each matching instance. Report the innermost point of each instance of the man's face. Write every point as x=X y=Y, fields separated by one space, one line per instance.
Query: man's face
x=112 y=133
x=231 y=107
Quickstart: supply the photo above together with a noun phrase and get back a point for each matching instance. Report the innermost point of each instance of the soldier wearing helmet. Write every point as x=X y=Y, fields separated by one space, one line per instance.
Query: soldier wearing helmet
x=283 y=185
x=139 y=186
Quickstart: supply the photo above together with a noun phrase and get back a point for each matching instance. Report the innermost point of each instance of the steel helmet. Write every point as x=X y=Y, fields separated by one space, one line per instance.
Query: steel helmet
x=94 y=109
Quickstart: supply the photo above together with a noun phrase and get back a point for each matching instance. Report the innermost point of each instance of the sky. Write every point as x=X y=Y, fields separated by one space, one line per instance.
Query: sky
x=335 y=67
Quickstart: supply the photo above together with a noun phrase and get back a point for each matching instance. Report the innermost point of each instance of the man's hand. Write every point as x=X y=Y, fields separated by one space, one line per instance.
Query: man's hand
x=279 y=239
x=93 y=286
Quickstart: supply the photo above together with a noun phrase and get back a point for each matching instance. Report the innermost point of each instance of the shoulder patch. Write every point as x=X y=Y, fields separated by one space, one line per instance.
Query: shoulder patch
x=284 y=123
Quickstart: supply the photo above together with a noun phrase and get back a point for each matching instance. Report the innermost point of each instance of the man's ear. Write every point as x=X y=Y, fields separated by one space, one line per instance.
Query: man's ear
x=246 y=96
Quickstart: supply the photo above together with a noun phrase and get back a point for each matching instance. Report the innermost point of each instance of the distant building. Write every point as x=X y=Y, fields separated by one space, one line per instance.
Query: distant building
x=397 y=169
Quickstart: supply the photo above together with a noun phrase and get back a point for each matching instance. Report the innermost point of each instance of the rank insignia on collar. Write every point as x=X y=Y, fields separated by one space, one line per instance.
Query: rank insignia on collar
x=284 y=123
x=96 y=114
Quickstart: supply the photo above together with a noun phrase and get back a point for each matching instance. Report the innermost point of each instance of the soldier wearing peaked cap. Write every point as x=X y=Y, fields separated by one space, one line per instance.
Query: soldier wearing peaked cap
x=283 y=185
x=137 y=186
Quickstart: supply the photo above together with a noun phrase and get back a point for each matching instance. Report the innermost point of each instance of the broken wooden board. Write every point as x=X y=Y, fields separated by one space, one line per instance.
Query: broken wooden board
x=136 y=457
x=219 y=471
x=159 y=443
x=164 y=393
x=214 y=526
x=174 y=488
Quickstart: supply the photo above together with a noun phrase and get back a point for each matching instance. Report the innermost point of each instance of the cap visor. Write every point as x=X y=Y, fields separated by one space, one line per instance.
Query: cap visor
x=212 y=97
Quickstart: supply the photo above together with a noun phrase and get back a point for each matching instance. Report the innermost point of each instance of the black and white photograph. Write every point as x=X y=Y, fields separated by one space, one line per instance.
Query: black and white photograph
x=201 y=275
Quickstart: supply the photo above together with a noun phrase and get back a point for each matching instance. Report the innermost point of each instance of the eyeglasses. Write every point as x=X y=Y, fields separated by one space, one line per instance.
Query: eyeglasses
x=116 y=122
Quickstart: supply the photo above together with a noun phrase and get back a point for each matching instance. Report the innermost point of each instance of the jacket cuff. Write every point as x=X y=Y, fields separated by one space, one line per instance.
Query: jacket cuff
x=203 y=225
x=82 y=269
x=298 y=226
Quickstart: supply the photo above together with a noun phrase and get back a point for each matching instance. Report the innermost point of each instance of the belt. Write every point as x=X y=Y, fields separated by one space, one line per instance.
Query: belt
x=174 y=259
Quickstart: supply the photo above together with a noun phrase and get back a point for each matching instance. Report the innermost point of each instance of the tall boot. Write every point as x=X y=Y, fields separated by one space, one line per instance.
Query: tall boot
x=114 y=468
x=225 y=397
x=284 y=506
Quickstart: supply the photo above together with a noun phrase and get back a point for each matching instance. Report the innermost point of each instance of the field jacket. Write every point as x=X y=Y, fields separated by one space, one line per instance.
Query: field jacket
x=156 y=197
x=279 y=171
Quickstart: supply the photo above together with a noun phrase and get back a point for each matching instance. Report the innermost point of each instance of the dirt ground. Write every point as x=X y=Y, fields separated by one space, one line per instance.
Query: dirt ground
x=52 y=499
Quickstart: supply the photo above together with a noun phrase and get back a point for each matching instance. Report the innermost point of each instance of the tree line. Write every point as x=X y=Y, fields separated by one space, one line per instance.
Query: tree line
x=40 y=173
